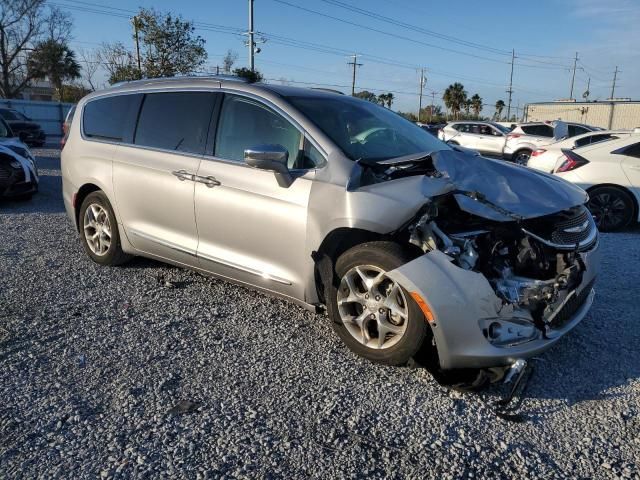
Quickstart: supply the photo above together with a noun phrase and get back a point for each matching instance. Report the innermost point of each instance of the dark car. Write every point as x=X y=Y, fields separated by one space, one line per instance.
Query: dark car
x=29 y=132
x=431 y=128
x=18 y=178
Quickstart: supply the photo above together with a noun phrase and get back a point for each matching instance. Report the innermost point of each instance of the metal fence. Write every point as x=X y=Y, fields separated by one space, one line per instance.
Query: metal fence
x=49 y=115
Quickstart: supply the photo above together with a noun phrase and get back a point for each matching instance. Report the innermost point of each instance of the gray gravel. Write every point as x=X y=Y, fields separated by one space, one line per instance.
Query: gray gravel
x=152 y=371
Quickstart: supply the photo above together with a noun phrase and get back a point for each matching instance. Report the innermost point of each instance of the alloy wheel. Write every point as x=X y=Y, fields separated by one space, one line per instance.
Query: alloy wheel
x=609 y=210
x=97 y=229
x=372 y=307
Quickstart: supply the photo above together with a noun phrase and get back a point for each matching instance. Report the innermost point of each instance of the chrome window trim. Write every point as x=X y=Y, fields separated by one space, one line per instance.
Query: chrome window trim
x=305 y=134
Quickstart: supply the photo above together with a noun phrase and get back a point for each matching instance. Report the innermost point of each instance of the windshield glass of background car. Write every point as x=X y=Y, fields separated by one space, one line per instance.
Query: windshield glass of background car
x=364 y=130
x=8 y=115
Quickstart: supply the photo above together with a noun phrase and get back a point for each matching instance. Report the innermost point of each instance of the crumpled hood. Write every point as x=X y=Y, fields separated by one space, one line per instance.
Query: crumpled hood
x=498 y=190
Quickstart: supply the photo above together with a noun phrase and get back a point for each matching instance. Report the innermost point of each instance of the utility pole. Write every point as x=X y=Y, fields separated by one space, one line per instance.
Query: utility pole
x=510 y=91
x=613 y=86
x=135 y=29
x=422 y=82
x=251 y=42
x=353 y=79
x=433 y=101
x=573 y=77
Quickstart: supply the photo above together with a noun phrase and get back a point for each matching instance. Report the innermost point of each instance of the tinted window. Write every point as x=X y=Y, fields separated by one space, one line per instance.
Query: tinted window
x=633 y=150
x=364 y=130
x=245 y=123
x=538 y=130
x=581 y=142
x=175 y=121
x=106 y=117
x=8 y=115
x=576 y=130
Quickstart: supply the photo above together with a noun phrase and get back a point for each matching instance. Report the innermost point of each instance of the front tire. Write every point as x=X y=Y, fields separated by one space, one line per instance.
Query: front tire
x=521 y=157
x=612 y=208
x=99 y=231
x=373 y=315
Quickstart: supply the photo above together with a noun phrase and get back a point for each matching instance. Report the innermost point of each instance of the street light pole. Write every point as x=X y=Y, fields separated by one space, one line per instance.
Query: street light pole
x=251 y=41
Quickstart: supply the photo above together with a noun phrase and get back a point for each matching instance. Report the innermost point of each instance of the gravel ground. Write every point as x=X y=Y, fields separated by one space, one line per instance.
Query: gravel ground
x=152 y=371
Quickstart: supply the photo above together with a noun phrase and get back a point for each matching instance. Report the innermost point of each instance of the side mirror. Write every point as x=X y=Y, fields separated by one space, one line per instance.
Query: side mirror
x=273 y=158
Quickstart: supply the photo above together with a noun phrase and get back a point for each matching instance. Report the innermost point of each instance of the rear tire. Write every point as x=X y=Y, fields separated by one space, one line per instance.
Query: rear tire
x=99 y=231
x=387 y=326
x=612 y=208
x=521 y=157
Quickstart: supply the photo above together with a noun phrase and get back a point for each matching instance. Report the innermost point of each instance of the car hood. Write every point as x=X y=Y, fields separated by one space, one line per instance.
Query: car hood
x=492 y=189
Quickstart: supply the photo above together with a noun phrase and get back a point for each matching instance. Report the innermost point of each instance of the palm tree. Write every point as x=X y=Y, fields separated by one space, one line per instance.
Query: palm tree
x=467 y=106
x=56 y=61
x=389 y=99
x=499 y=107
x=476 y=104
x=454 y=98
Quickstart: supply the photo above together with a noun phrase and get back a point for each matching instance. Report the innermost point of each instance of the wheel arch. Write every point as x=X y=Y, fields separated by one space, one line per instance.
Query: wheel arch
x=79 y=197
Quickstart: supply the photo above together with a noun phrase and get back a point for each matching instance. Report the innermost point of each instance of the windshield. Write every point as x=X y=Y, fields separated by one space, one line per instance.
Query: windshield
x=10 y=115
x=364 y=130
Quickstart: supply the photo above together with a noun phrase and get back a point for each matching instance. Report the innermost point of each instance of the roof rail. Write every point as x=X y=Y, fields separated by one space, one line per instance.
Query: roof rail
x=205 y=76
x=330 y=90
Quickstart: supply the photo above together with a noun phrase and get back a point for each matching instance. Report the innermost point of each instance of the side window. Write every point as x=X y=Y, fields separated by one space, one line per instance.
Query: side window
x=632 y=150
x=245 y=123
x=175 y=121
x=108 y=118
x=576 y=130
x=538 y=130
x=311 y=158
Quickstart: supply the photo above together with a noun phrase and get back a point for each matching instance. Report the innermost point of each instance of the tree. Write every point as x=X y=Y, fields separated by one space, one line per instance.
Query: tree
x=119 y=63
x=367 y=95
x=499 y=107
x=168 y=44
x=467 y=106
x=454 y=98
x=24 y=23
x=228 y=60
x=54 y=60
x=385 y=99
x=476 y=104
x=73 y=93
x=90 y=65
x=251 y=76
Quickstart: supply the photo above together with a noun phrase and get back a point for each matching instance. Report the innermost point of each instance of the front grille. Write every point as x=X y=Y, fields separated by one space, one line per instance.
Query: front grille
x=569 y=309
x=552 y=229
x=562 y=237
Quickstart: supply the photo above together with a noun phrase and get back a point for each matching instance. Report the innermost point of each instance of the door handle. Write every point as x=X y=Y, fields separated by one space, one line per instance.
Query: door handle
x=209 y=181
x=183 y=175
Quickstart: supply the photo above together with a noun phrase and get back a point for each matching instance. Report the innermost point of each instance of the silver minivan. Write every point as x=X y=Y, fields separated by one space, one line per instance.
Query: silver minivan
x=334 y=203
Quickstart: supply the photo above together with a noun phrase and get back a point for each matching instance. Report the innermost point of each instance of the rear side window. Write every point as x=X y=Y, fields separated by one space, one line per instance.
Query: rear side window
x=576 y=130
x=581 y=142
x=632 y=150
x=175 y=121
x=538 y=130
x=107 y=118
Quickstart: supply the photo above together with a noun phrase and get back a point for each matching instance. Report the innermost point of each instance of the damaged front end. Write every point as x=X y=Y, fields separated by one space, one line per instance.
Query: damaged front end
x=509 y=257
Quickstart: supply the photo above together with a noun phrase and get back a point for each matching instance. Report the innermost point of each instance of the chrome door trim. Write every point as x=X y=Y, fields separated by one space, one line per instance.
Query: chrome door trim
x=242 y=268
x=165 y=243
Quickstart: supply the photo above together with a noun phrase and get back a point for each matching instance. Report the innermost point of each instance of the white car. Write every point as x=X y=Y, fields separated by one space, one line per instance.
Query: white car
x=487 y=138
x=610 y=173
x=525 y=138
x=546 y=157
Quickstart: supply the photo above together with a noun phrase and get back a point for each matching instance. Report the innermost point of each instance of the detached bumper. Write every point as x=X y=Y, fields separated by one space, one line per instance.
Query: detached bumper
x=460 y=299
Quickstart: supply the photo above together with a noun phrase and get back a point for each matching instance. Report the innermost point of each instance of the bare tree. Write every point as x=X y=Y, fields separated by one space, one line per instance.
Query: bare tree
x=229 y=59
x=91 y=62
x=24 y=23
x=118 y=62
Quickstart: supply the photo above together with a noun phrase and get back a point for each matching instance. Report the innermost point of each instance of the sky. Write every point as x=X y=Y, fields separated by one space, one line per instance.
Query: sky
x=308 y=42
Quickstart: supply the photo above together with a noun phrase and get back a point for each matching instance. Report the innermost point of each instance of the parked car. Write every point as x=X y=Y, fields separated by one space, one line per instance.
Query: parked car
x=433 y=129
x=545 y=158
x=610 y=172
x=9 y=140
x=525 y=138
x=18 y=175
x=66 y=124
x=487 y=138
x=26 y=129
x=332 y=201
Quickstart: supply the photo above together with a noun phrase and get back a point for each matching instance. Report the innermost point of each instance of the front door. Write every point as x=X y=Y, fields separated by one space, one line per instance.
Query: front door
x=250 y=228
x=152 y=177
x=490 y=140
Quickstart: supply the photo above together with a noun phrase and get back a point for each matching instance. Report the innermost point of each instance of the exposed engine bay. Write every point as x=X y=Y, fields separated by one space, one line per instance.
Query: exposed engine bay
x=533 y=277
